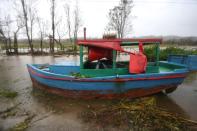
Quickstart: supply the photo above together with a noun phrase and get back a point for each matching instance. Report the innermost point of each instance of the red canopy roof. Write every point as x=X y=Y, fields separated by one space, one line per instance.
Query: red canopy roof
x=106 y=45
x=114 y=44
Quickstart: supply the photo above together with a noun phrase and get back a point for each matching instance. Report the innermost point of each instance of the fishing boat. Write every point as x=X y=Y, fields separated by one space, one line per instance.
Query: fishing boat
x=103 y=74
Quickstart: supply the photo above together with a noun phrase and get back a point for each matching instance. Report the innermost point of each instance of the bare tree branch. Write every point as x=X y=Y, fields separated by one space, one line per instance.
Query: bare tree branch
x=53 y=25
x=24 y=6
x=68 y=23
x=77 y=23
x=119 y=18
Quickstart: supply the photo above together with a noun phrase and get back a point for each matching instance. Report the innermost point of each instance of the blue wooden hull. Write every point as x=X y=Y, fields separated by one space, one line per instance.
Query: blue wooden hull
x=144 y=84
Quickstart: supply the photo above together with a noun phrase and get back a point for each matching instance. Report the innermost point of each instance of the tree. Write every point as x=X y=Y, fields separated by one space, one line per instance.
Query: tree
x=77 y=24
x=26 y=19
x=119 y=18
x=53 y=26
x=68 y=23
x=60 y=33
x=3 y=36
x=73 y=28
x=19 y=25
x=42 y=31
x=32 y=20
x=7 y=30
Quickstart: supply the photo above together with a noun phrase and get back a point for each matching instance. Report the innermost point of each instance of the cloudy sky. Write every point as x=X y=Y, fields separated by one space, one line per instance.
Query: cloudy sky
x=152 y=17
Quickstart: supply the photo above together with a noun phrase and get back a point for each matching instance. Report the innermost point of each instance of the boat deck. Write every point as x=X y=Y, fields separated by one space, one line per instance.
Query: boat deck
x=70 y=70
x=164 y=69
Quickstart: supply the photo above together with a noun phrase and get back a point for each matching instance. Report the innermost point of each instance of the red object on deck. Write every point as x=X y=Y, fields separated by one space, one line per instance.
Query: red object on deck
x=138 y=63
x=141 y=49
x=96 y=53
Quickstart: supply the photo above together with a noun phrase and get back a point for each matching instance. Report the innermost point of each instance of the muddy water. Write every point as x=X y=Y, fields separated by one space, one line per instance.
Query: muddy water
x=57 y=113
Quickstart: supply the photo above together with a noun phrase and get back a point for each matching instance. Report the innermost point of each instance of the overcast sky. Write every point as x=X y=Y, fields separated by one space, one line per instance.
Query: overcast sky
x=152 y=17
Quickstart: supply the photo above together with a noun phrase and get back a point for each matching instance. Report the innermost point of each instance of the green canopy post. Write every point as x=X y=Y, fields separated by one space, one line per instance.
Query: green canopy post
x=114 y=59
x=81 y=57
x=157 y=54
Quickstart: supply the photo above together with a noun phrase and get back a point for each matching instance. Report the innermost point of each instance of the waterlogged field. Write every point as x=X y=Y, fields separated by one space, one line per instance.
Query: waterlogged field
x=24 y=108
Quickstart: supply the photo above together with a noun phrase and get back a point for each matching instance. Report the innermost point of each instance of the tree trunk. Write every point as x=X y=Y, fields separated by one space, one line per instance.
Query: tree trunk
x=50 y=43
x=61 y=46
x=6 y=46
x=26 y=26
x=53 y=26
x=9 y=45
x=41 y=44
x=75 y=41
x=15 y=44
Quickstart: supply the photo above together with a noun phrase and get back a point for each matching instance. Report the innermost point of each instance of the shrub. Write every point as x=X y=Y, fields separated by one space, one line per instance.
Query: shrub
x=150 y=52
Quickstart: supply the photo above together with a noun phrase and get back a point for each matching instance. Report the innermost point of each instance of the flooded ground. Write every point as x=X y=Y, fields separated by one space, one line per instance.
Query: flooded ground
x=55 y=113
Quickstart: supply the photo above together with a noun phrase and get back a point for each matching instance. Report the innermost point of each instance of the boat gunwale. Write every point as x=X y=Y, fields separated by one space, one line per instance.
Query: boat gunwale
x=180 y=73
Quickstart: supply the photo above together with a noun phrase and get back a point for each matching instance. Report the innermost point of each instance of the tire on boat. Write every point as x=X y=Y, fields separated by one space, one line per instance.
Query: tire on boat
x=170 y=90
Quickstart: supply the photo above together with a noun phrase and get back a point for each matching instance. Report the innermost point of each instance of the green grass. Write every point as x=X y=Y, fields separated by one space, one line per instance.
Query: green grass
x=8 y=93
x=36 y=45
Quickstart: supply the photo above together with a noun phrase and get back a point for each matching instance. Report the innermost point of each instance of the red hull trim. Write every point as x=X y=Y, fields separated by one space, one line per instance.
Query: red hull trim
x=77 y=94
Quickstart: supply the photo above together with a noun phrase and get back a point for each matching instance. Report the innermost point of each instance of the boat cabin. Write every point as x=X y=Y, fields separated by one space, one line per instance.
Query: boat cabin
x=102 y=57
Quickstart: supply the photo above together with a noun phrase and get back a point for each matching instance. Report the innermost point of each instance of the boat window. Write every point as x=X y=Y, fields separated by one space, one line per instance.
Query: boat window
x=124 y=56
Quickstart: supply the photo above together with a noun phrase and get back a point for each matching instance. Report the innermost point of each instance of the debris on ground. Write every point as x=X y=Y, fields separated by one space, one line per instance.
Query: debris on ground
x=138 y=114
x=22 y=126
x=10 y=111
